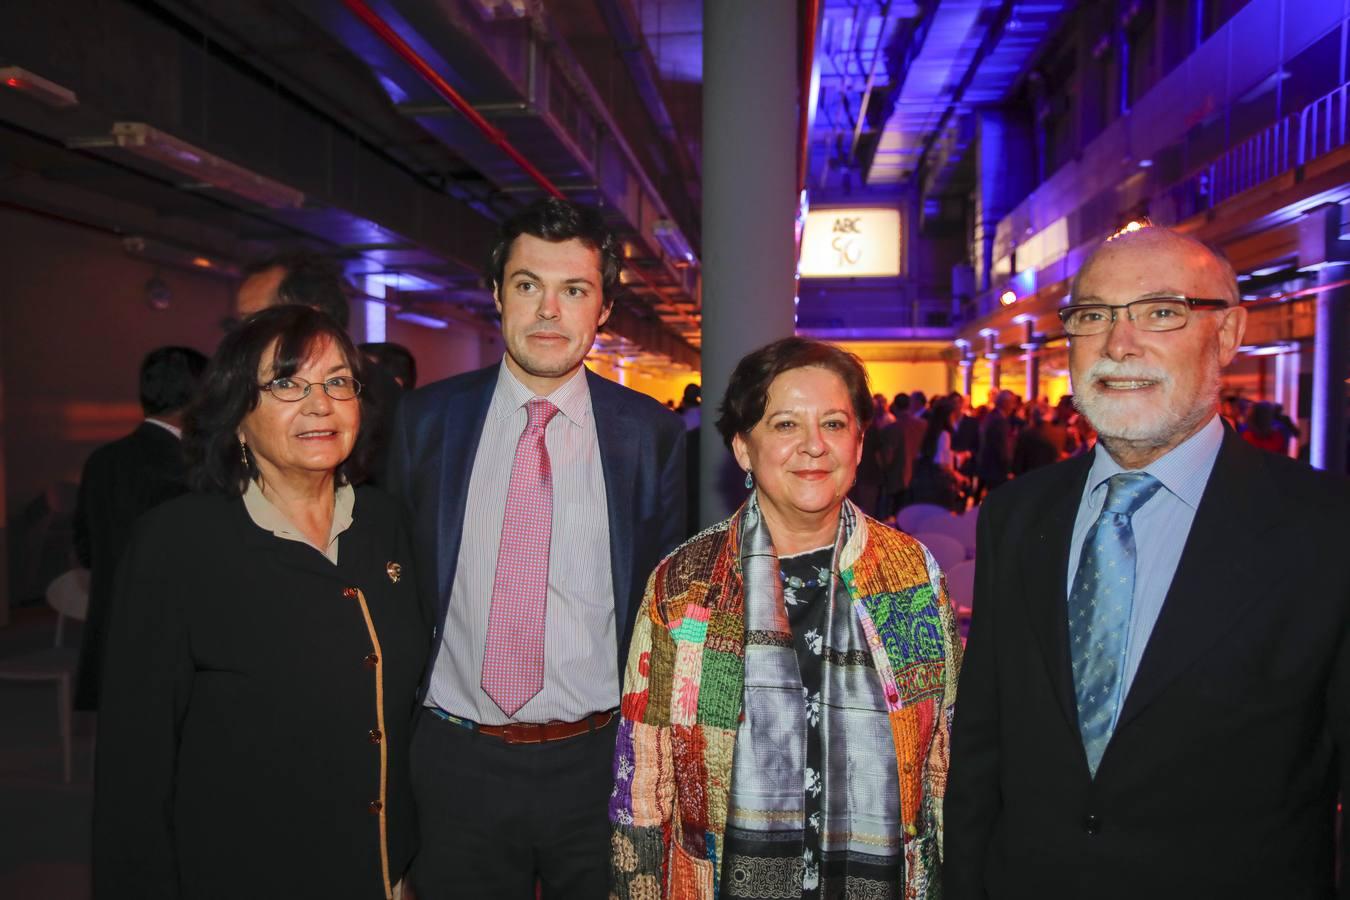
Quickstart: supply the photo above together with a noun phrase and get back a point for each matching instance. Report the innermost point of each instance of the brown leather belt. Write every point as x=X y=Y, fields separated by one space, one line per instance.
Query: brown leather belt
x=529 y=733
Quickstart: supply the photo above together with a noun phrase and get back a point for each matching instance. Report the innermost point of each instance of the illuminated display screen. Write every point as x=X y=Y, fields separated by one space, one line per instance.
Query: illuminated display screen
x=851 y=243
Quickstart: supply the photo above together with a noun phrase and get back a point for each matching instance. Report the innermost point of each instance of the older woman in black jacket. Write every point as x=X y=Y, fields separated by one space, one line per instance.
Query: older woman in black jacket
x=265 y=647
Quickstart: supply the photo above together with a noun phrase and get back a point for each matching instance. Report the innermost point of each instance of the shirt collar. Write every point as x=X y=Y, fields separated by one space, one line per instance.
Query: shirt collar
x=268 y=517
x=171 y=429
x=573 y=397
x=1183 y=470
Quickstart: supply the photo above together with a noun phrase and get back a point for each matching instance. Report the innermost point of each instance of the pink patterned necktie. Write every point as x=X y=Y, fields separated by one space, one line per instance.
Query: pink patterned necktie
x=513 y=660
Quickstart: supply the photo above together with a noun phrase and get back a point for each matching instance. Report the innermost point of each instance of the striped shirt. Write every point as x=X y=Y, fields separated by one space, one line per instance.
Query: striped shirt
x=580 y=645
x=1161 y=527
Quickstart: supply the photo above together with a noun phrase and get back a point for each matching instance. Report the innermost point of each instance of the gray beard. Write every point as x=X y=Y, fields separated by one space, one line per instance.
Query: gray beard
x=1169 y=426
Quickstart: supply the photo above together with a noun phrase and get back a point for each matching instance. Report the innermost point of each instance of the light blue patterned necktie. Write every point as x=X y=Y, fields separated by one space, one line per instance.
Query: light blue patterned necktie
x=1099 y=610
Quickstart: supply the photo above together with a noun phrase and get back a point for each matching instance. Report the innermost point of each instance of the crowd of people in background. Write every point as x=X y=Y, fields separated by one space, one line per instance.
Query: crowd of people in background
x=940 y=450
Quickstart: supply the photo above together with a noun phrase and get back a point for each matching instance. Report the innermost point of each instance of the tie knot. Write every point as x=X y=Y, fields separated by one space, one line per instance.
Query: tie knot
x=539 y=412
x=1128 y=491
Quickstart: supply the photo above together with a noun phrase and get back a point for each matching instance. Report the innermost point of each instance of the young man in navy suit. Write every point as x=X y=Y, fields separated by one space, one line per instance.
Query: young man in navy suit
x=542 y=496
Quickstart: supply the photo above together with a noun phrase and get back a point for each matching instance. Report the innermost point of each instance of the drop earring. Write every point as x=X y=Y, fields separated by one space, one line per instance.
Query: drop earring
x=243 y=453
x=749 y=480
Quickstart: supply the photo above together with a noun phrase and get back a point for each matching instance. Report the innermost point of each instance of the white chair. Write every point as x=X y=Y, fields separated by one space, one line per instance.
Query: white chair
x=961 y=527
x=911 y=519
x=68 y=594
x=961 y=587
x=946 y=550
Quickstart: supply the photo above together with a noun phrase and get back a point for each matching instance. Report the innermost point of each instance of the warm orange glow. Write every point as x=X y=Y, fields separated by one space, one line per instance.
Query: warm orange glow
x=202 y=262
x=1008 y=298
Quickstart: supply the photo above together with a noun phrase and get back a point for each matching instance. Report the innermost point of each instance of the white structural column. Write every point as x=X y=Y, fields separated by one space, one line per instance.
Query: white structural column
x=1319 y=245
x=1331 y=366
x=1286 y=387
x=1032 y=348
x=991 y=356
x=749 y=206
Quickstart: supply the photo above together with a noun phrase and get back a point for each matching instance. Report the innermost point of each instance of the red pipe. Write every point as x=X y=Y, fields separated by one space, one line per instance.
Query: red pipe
x=391 y=37
x=809 y=21
x=386 y=33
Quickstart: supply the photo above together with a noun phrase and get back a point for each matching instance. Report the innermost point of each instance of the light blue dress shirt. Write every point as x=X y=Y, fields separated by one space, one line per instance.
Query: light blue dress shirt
x=1161 y=527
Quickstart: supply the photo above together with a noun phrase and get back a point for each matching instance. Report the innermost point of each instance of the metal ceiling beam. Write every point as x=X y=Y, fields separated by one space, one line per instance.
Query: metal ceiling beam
x=993 y=34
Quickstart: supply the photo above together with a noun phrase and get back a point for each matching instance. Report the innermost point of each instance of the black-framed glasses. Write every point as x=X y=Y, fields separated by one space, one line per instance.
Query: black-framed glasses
x=1148 y=314
x=292 y=390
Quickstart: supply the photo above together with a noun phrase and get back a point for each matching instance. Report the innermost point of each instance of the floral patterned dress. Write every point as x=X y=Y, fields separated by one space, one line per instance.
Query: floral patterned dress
x=806 y=585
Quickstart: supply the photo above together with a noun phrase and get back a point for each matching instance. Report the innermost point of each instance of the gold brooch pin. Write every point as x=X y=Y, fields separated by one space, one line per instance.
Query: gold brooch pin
x=394 y=570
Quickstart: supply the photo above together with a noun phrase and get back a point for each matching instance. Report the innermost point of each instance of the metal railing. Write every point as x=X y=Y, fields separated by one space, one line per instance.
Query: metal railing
x=1322 y=125
x=1294 y=140
x=1289 y=143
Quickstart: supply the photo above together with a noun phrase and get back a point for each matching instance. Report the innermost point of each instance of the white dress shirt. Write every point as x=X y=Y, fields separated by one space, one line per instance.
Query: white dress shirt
x=581 y=674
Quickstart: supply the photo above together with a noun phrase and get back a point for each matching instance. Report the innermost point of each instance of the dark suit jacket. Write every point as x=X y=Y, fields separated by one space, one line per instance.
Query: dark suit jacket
x=641 y=451
x=994 y=458
x=1220 y=780
x=238 y=752
x=120 y=482
x=1034 y=449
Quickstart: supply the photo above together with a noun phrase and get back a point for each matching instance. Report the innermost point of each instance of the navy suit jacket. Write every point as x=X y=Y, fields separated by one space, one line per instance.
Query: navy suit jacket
x=432 y=450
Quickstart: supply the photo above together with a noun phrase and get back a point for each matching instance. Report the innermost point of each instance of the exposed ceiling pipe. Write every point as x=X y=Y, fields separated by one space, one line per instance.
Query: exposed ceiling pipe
x=992 y=36
x=871 y=83
x=385 y=32
x=810 y=24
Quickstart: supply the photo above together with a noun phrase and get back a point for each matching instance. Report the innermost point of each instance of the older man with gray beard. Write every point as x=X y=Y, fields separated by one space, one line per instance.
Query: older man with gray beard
x=1155 y=700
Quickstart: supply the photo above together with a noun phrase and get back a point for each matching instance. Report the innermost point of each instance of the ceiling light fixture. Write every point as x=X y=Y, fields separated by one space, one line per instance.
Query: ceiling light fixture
x=48 y=93
x=668 y=235
x=419 y=319
x=167 y=150
x=167 y=254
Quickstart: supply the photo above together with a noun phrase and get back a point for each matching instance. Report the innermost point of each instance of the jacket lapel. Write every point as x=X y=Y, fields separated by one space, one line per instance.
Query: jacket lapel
x=461 y=428
x=1045 y=562
x=1218 y=576
x=618 y=460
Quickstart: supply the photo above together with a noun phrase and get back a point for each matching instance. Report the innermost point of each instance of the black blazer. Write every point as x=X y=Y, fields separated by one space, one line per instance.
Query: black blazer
x=434 y=444
x=120 y=482
x=240 y=748
x=1221 y=778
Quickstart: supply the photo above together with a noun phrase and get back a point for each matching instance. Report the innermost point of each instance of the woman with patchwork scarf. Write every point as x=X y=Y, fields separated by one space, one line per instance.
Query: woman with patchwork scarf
x=788 y=696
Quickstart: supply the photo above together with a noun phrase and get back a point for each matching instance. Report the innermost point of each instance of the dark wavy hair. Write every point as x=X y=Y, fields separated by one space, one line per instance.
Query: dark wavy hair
x=557 y=220
x=939 y=420
x=748 y=390
x=229 y=391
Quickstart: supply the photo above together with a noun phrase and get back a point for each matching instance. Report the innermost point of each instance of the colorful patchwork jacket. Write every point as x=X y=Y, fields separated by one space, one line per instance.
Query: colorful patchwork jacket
x=683 y=689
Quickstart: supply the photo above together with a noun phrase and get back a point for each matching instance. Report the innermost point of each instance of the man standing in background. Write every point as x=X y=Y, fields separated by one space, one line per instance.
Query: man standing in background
x=124 y=479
